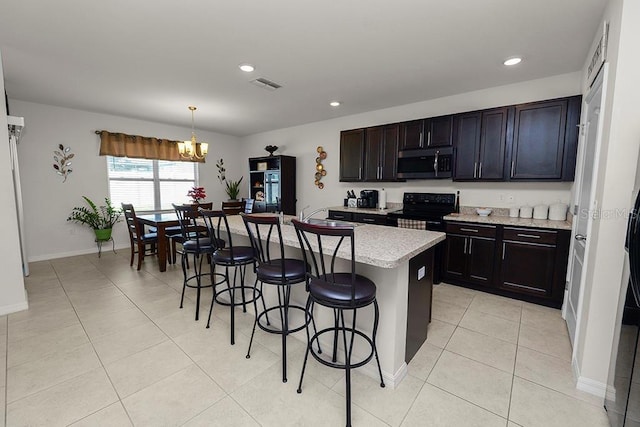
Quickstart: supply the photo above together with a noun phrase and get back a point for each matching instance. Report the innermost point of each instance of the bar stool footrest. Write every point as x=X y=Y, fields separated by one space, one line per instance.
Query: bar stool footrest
x=272 y=330
x=316 y=337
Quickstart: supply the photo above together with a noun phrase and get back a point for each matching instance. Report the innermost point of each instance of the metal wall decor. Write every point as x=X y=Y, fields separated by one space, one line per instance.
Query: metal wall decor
x=62 y=157
x=320 y=171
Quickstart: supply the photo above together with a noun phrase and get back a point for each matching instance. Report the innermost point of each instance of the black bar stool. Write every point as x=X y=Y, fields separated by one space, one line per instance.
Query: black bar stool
x=281 y=272
x=339 y=291
x=197 y=243
x=229 y=256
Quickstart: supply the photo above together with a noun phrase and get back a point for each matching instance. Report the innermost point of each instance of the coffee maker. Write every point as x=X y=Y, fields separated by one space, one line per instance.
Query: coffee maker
x=368 y=199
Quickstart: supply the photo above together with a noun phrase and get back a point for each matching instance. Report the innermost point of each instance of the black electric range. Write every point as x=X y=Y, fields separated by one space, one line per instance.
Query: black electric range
x=427 y=207
x=425 y=211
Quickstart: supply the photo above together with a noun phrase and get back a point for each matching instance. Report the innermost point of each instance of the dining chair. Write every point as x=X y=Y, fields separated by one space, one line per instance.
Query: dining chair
x=341 y=292
x=141 y=243
x=248 y=205
x=233 y=207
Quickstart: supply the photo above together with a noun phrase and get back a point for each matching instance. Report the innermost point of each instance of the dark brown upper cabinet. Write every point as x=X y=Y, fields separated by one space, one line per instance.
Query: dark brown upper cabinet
x=480 y=140
x=439 y=131
x=381 y=153
x=433 y=132
x=352 y=155
x=545 y=140
x=369 y=154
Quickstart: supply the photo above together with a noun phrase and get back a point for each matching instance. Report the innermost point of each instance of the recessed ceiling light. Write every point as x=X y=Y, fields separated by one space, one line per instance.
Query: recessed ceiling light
x=335 y=103
x=247 y=68
x=513 y=61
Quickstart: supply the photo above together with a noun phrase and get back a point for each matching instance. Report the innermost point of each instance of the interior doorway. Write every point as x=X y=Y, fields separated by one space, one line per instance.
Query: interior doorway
x=584 y=203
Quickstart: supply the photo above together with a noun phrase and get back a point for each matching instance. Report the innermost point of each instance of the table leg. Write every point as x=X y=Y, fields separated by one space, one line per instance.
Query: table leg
x=162 y=248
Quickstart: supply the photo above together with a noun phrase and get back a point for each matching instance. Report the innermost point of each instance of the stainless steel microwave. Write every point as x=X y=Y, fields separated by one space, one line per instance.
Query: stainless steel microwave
x=429 y=163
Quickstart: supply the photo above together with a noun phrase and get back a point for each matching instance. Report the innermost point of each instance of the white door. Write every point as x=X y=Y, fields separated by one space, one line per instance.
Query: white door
x=584 y=203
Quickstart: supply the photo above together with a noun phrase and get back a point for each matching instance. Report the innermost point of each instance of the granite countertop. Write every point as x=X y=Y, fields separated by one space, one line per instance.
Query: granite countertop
x=377 y=245
x=391 y=207
x=505 y=220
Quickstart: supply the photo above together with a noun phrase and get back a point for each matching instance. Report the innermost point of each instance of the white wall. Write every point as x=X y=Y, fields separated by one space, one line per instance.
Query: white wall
x=301 y=142
x=614 y=185
x=12 y=293
x=48 y=201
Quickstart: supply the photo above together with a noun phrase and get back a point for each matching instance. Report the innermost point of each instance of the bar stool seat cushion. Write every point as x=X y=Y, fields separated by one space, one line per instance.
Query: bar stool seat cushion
x=336 y=292
x=241 y=254
x=271 y=272
x=204 y=243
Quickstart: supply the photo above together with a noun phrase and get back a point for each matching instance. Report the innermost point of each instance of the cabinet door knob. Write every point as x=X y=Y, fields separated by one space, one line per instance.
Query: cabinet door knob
x=580 y=237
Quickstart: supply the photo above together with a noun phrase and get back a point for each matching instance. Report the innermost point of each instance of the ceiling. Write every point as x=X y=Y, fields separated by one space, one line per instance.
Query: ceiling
x=150 y=60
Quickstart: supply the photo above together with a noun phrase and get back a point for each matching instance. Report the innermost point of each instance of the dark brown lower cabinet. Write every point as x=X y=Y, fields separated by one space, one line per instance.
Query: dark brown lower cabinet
x=523 y=263
x=534 y=263
x=470 y=253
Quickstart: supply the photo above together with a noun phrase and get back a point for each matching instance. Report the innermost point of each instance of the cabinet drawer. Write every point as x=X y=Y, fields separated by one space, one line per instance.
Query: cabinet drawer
x=530 y=235
x=471 y=229
x=370 y=218
x=343 y=216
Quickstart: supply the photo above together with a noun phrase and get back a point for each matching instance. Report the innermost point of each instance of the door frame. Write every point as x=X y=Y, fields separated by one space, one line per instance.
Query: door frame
x=600 y=80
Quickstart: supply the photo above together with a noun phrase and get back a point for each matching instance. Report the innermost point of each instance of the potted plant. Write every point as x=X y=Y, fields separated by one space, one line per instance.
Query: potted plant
x=100 y=219
x=196 y=194
x=232 y=188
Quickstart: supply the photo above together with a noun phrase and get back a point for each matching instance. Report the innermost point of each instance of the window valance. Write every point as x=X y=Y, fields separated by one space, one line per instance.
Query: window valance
x=140 y=147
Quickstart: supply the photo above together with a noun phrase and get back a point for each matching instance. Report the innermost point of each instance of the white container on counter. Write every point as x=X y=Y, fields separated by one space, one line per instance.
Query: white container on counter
x=526 y=212
x=514 y=212
x=558 y=212
x=540 y=212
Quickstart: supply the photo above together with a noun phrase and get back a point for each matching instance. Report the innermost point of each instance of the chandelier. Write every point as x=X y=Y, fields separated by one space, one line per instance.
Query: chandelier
x=192 y=149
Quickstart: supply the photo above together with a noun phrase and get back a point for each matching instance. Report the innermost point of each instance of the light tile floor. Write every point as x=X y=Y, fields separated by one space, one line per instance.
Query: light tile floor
x=103 y=344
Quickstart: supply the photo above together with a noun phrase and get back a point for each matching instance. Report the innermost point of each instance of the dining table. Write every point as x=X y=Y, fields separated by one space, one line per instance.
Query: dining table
x=160 y=221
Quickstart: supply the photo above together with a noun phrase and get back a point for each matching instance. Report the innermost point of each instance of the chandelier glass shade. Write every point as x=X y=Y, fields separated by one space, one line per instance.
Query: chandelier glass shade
x=192 y=149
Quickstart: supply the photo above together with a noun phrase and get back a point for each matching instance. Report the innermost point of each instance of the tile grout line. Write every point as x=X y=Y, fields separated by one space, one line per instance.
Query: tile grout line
x=513 y=376
x=94 y=349
x=195 y=363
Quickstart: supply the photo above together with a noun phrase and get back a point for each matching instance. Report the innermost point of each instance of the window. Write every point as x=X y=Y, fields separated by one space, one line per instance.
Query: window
x=150 y=185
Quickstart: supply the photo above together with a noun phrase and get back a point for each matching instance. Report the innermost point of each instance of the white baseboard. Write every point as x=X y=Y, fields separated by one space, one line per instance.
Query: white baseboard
x=47 y=257
x=14 y=308
x=588 y=385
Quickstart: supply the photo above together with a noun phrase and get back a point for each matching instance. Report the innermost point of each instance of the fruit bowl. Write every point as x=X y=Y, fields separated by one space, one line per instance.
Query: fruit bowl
x=483 y=211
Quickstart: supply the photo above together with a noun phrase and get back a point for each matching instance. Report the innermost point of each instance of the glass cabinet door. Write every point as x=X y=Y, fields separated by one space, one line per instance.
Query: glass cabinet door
x=272 y=190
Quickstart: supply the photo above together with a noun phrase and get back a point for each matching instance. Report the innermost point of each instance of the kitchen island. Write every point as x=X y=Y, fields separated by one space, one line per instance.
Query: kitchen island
x=400 y=263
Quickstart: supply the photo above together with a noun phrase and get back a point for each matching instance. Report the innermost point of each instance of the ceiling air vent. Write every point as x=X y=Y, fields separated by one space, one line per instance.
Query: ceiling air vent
x=265 y=84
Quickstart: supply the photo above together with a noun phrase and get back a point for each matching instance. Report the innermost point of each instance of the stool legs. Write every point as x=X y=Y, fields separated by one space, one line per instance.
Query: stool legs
x=197 y=267
x=348 y=344
x=238 y=270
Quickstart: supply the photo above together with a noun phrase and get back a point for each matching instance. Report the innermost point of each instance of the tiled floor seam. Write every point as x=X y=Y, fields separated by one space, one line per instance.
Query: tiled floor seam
x=468 y=401
x=424 y=382
x=94 y=350
x=513 y=377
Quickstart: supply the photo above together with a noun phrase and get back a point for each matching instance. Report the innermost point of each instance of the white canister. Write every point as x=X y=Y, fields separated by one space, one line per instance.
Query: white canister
x=514 y=212
x=526 y=212
x=541 y=212
x=558 y=212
